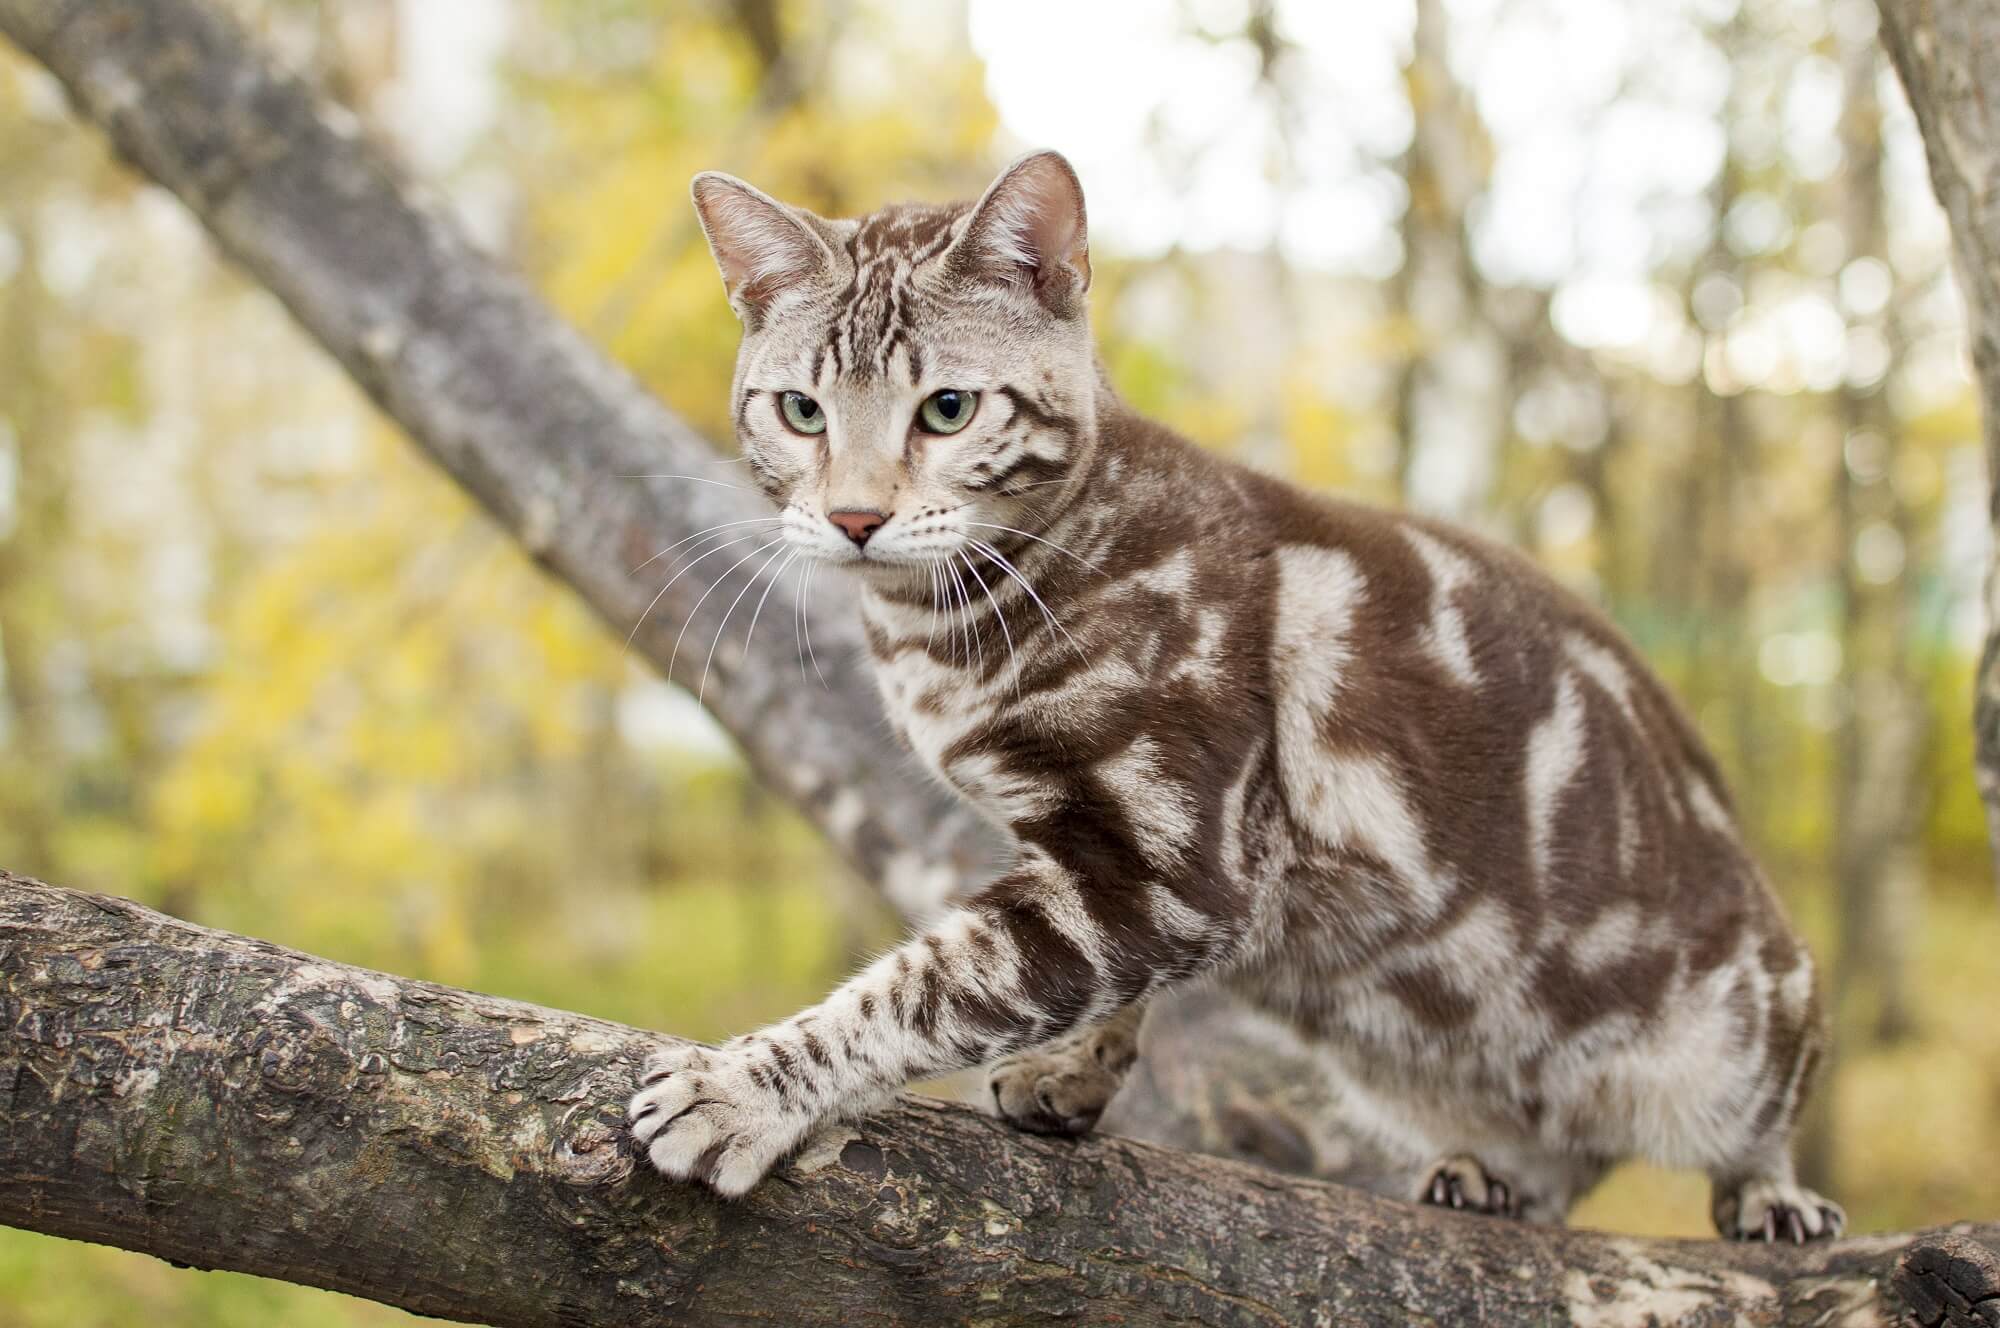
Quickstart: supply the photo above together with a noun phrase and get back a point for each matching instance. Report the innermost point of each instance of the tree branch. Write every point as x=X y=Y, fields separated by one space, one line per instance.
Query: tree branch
x=526 y=415
x=1947 y=53
x=227 y=1103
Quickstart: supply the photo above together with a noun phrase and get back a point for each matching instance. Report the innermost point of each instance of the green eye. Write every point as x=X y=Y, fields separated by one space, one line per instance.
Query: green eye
x=802 y=413
x=947 y=411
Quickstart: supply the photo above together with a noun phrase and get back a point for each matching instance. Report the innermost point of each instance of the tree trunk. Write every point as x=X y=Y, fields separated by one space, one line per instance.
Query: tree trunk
x=1435 y=298
x=1948 y=54
x=39 y=520
x=227 y=1103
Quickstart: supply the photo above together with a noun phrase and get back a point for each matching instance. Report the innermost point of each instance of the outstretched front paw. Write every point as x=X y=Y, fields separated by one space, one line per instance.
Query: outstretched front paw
x=1772 y=1211
x=713 y=1114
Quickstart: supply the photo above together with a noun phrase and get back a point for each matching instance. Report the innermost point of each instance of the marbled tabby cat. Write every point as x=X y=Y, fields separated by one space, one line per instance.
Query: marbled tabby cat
x=1383 y=779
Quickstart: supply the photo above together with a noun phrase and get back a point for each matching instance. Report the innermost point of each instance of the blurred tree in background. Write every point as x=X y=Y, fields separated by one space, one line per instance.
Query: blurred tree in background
x=1656 y=292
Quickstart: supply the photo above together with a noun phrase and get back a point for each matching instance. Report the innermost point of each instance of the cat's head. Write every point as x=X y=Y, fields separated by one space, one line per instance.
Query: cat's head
x=913 y=382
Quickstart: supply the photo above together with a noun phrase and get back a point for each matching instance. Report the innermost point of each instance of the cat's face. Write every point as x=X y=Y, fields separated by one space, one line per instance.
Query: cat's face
x=916 y=383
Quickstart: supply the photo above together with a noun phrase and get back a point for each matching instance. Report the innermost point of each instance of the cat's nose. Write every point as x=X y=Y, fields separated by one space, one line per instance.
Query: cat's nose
x=858 y=526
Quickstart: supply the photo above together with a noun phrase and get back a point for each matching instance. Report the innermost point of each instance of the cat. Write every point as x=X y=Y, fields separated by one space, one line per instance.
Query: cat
x=1381 y=778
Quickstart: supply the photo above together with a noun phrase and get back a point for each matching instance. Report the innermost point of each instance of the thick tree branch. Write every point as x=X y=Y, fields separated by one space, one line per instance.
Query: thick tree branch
x=1948 y=54
x=228 y=1103
x=533 y=421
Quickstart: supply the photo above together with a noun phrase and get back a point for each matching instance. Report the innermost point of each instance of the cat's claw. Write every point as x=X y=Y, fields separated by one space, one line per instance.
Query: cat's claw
x=700 y=1114
x=1460 y=1182
x=1773 y=1211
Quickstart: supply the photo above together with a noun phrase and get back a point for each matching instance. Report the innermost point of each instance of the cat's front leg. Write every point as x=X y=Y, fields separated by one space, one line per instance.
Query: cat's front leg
x=1026 y=963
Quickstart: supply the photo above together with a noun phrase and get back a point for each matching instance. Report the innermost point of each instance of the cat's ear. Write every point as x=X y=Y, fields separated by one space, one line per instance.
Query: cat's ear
x=762 y=246
x=1029 y=230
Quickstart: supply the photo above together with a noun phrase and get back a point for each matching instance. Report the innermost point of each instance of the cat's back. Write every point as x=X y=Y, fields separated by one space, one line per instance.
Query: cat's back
x=1452 y=719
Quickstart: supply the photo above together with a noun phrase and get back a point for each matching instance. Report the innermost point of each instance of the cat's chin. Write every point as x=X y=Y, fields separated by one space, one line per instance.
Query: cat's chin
x=880 y=573
x=884 y=571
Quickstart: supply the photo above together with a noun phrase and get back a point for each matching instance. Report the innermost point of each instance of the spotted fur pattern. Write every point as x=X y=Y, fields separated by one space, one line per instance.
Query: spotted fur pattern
x=1382 y=778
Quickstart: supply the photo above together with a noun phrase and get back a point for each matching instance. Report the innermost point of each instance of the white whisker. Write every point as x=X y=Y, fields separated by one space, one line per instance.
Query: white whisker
x=971 y=618
x=675 y=657
x=1012 y=489
x=799 y=617
x=955 y=625
x=936 y=577
x=697 y=535
x=999 y=559
x=807 y=619
x=723 y=626
x=988 y=525
x=694 y=479
x=685 y=569
x=776 y=577
x=964 y=621
x=1005 y=631
x=953 y=636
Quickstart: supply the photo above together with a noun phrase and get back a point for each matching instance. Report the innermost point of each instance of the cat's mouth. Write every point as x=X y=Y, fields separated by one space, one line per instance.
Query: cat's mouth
x=886 y=561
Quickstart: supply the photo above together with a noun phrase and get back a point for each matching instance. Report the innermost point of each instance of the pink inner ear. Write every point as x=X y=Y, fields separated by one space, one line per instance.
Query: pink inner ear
x=1036 y=220
x=758 y=247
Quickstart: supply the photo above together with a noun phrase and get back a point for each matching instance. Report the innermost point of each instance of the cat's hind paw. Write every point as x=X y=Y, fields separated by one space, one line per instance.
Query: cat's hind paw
x=1062 y=1090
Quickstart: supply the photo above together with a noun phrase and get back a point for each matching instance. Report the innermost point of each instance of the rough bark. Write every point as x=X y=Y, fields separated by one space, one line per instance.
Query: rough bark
x=226 y=1103
x=1948 y=54
x=528 y=417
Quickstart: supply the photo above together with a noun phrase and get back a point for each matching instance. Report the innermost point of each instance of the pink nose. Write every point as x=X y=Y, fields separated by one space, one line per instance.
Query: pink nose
x=857 y=525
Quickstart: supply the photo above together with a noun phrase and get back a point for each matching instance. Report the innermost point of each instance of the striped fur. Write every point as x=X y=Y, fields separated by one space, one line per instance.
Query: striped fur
x=1383 y=779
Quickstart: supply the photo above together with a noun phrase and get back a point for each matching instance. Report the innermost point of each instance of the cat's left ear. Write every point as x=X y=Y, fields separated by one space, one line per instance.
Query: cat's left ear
x=1029 y=230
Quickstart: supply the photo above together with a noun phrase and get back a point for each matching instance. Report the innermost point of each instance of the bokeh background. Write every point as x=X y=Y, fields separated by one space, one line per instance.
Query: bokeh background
x=1653 y=288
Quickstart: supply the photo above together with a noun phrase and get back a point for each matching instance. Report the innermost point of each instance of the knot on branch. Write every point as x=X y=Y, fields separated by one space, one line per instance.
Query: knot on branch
x=1949 y=1281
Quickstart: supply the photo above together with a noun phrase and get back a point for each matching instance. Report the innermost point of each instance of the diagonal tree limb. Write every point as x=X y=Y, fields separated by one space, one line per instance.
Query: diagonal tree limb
x=528 y=417
x=227 y=1103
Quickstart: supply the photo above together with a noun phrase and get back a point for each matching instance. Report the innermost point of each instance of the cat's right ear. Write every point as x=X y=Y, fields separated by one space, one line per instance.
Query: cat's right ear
x=762 y=246
x=1028 y=230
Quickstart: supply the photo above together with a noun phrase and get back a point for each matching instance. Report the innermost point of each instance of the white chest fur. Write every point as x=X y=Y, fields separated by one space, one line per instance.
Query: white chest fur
x=939 y=692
